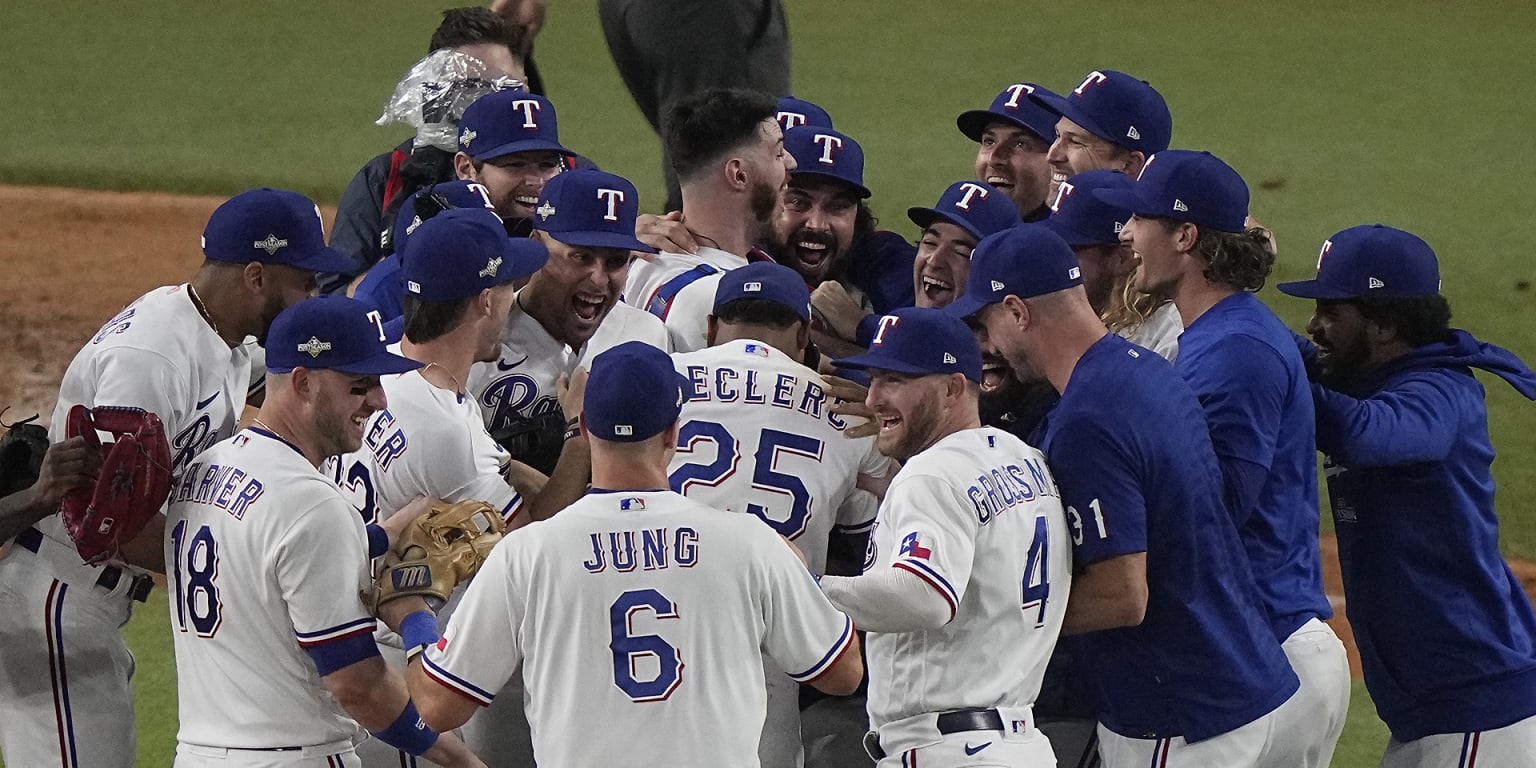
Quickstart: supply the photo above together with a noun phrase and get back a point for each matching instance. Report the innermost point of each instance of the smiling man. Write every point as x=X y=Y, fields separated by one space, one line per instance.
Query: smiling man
x=973 y=511
x=821 y=209
x=1013 y=138
x=567 y=313
x=1403 y=427
x=1109 y=121
x=509 y=143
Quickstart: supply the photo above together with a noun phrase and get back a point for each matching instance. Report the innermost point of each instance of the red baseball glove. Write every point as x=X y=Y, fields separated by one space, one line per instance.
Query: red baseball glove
x=134 y=479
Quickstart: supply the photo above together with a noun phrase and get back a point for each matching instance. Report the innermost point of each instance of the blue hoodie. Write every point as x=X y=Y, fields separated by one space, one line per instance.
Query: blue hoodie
x=1447 y=636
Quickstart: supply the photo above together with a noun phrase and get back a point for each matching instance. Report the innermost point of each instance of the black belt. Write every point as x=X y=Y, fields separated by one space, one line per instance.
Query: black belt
x=31 y=540
x=949 y=722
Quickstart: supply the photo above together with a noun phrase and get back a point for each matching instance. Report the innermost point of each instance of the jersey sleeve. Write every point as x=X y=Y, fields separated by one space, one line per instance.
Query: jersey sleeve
x=857 y=513
x=934 y=535
x=1242 y=384
x=803 y=633
x=1407 y=422
x=321 y=565
x=457 y=466
x=145 y=379
x=1097 y=476
x=481 y=647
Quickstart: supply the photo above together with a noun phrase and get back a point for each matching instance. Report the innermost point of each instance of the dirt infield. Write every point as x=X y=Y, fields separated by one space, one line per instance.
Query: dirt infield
x=69 y=259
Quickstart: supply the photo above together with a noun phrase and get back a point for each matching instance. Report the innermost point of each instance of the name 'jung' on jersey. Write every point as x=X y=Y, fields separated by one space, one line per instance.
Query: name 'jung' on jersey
x=648 y=549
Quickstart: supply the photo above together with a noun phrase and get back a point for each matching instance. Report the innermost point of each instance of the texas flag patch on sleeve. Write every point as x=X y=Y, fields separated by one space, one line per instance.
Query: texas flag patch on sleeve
x=912 y=546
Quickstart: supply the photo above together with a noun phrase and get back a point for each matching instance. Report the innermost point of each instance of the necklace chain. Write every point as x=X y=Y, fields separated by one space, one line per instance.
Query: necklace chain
x=459 y=387
x=202 y=309
x=268 y=427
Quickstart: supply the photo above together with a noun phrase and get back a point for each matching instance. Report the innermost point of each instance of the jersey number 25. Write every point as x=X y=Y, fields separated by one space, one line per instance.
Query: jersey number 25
x=766 y=474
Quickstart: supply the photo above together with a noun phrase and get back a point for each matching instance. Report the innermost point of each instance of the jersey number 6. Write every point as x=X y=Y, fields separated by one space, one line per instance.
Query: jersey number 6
x=630 y=649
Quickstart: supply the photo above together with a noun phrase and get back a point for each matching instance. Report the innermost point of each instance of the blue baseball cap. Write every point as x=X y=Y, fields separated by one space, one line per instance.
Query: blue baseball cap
x=765 y=280
x=1183 y=185
x=974 y=206
x=918 y=341
x=459 y=253
x=1083 y=219
x=591 y=208
x=1015 y=107
x=435 y=199
x=1117 y=108
x=1370 y=260
x=507 y=122
x=272 y=226
x=633 y=393
x=1025 y=261
x=824 y=152
x=332 y=333
x=796 y=112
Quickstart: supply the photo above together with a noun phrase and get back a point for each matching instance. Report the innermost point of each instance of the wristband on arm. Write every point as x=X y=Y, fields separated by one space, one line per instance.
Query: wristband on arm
x=408 y=733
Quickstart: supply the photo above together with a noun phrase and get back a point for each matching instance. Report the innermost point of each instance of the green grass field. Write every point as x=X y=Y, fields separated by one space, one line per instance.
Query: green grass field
x=1407 y=112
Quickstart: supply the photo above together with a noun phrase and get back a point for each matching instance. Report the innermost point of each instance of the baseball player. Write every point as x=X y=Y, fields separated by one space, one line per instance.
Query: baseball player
x=969 y=547
x=383 y=286
x=568 y=312
x=795 y=112
x=1013 y=136
x=431 y=440
x=1241 y=362
x=509 y=142
x=64 y=467
x=1447 y=637
x=635 y=608
x=177 y=352
x=758 y=437
x=362 y=212
x=267 y=563
x=1175 y=639
x=729 y=154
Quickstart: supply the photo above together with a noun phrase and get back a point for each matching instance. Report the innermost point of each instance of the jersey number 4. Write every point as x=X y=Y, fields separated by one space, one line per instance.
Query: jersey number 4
x=632 y=651
x=194 y=569
x=1036 y=587
x=766 y=476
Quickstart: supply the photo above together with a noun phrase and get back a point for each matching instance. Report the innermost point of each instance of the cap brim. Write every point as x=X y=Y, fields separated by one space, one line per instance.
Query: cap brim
x=1312 y=289
x=599 y=240
x=973 y=124
x=862 y=190
x=966 y=306
x=394 y=329
x=327 y=259
x=1127 y=199
x=379 y=365
x=877 y=361
x=1073 y=237
x=924 y=217
x=1061 y=106
x=526 y=145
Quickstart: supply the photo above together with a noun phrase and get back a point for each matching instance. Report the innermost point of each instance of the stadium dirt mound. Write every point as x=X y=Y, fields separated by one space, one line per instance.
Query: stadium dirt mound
x=69 y=259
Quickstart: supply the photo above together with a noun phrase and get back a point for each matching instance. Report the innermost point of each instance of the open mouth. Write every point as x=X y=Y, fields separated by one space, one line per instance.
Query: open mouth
x=589 y=307
x=1000 y=182
x=888 y=423
x=1058 y=177
x=937 y=292
x=811 y=251
x=994 y=373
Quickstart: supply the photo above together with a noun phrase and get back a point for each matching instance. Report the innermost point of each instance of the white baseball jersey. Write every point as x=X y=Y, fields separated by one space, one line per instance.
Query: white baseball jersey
x=160 y=355
x=685 y=310
x=427 y=441
x=1159 y=332
x=641 y=619
x=758 y=436
x=522 y=383
x=265 y=559
x=978 y=517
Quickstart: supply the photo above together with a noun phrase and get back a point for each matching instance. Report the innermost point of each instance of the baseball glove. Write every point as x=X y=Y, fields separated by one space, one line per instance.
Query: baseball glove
x=21 y=455
x=133 y=482
x=439 y=551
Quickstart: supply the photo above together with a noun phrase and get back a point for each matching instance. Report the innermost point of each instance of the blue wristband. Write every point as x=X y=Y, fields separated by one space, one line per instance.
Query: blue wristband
x=408 y=733
x=418 y=629
x=378 y=541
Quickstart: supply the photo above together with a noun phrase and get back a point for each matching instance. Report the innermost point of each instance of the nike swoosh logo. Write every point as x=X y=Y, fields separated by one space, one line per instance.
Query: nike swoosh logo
x=500 y=366
x=201 y=404
x=970 y=750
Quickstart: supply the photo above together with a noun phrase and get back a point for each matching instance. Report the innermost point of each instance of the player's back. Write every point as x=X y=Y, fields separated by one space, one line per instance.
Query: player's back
x=255 y=535
x=647 y=615
x=758 y=436
x=983 y=523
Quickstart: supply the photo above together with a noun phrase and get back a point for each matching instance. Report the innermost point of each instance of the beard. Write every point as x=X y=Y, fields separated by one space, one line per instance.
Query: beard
x=1344 y=361
x=764 y=201
x=917 y=431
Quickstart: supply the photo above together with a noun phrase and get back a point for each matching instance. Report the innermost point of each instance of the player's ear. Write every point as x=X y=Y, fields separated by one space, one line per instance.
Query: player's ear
x=709 y=333
x=253 y=275
x=736 y=174
x=1186 y=236
x=1133 y=163
x=463 y=167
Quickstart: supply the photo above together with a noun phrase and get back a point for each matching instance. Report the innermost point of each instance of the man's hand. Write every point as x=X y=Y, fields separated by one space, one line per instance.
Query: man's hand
x=527 y=481
x=66 y=466
x=838 y=310
x=853 y=393
x=571 y=390
x=665 y=233
x=402 y=518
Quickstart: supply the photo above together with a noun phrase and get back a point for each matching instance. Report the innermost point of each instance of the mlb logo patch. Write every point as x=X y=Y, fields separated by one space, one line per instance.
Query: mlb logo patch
x=632 y=504
x=911 y=547
x=623 y=430
x=757 y=349
x=1074 y=273
x=752 y=287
